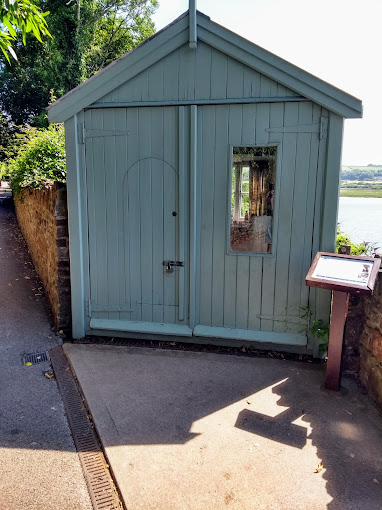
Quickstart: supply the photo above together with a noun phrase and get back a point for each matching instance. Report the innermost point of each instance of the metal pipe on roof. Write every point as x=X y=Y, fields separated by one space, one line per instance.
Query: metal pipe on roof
x=193 y=40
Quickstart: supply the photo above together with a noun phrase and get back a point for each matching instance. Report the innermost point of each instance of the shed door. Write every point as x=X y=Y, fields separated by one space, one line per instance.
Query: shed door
x=260 y=295
x=134 y=218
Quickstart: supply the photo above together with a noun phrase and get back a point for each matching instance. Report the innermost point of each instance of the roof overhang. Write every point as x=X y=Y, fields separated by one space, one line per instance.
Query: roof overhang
x=176 y=35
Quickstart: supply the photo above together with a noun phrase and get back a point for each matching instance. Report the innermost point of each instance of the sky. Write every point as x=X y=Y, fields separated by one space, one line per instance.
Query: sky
x=339 y=41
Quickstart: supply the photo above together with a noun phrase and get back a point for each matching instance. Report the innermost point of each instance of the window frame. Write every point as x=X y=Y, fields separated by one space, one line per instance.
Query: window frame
x=229 y=251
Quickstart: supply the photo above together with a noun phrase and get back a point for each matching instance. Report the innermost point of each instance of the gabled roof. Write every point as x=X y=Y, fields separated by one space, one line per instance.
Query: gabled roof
x=176 y=35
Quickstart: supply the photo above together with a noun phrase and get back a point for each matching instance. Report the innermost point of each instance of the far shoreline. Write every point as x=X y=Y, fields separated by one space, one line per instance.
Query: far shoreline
x=361 y=193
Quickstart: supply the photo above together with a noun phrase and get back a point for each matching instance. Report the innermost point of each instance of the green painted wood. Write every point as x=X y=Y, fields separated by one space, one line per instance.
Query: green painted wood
x=141 y=327
x=219 y=214
x=279 y=70
x=170 y=204
x=203 y=63
x=231 y=289
x=285 y=215
x=123 y=146
x=250 y=335
x=187 y=74
x=111 y=183
x=194 y=216
x=296 y=278
x=75 y=188
x=224 y=41
x=182 y=216
x=207 y=132
x=276 y=119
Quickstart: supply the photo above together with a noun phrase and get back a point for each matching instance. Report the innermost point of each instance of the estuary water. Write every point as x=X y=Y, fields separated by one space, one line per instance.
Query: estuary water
x=361 y=219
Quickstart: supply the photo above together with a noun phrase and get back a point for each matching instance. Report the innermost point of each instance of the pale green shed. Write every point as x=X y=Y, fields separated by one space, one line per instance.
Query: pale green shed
x=203 y=177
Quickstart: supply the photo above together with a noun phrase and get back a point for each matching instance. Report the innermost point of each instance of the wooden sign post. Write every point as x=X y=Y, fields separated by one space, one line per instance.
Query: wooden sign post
x=344 y=275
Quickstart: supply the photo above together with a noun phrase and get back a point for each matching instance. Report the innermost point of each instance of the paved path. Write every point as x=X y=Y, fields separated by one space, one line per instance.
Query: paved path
x=39 y=467
x=204 y=431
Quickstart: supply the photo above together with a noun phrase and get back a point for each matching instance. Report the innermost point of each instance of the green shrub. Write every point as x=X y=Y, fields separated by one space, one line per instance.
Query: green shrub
x=39 y=160
x=363 y=248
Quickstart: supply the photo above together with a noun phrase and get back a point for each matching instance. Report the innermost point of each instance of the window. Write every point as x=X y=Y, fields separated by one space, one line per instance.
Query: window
x=252 y=199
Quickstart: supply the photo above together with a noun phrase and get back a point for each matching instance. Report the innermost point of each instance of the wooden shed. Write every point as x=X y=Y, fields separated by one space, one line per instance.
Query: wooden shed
x=203 y=177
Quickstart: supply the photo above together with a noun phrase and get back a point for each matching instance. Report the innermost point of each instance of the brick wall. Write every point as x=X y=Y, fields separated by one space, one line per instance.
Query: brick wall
x=43 y=219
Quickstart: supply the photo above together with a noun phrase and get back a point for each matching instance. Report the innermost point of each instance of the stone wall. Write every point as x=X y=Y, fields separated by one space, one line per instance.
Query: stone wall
x=371 y=344
x=362 y=350
x=43 y=219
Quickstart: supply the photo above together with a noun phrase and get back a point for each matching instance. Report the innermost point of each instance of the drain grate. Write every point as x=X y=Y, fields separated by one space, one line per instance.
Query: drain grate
x=35 y=358
x=103 y=493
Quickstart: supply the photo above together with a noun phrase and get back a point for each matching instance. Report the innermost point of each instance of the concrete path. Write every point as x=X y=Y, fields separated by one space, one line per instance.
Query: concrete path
x=202 y=431
x=39 y=467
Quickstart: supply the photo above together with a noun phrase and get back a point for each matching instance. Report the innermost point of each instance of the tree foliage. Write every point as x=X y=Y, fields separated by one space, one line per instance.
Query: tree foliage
x=87 y=35
x=20 y=17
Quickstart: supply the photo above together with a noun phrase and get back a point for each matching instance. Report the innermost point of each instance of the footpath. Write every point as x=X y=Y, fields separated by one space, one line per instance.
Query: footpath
x=40 y=468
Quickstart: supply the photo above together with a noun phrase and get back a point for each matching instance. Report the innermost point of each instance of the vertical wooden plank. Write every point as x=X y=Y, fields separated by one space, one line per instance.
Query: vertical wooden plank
x=219 y=214
x=207 y=213
x=121 y=145
x=170 y=190
x=75 y=186
x=268 y=87
x=285 y=215
x=231 y=287
x=276 y=119
x=145 y=211
x=235 y=79
x=99 y=163
x=310 y=205
x=251 y=83
x=203 y=70
x=112 y=268
x=322 y=310
x=219 y=66
x=132 y=215
x=182 y=215
x=332 y=181
x=90 y=175
x=132 y=156
x=155 y=82
x=248 y=125
x=170 y=76
x=242 y=291
x=186 y=73
x=194 y=215
x=296 y=279
x=141 y=86
x=258 y=279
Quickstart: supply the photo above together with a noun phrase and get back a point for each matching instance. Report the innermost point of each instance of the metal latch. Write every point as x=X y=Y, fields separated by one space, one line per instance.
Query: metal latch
x=170 y=264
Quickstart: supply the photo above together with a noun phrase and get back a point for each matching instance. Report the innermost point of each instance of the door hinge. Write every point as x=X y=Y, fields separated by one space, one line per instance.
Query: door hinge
x=320 y=128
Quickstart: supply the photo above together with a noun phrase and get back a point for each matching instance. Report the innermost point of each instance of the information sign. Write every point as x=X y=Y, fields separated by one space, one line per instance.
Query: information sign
x=346 y=273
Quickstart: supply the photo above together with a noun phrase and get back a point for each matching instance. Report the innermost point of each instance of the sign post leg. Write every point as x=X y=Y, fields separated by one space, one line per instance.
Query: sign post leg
x=337 y=324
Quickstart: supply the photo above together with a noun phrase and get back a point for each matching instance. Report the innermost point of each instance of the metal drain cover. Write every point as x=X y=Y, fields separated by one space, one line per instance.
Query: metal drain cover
x=36 y=357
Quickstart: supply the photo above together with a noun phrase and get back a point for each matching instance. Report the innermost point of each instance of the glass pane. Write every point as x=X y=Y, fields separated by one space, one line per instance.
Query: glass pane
x=252 y=199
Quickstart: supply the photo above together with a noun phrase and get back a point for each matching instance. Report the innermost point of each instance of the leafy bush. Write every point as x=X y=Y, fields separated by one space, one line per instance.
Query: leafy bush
x=363 y=248
x=39 y=159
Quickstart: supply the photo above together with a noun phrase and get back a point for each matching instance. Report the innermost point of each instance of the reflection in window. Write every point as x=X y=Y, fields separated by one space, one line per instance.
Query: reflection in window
x=252 y=199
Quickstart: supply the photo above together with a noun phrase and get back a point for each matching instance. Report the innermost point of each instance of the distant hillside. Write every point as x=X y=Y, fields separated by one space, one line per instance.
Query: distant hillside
x=361 y=173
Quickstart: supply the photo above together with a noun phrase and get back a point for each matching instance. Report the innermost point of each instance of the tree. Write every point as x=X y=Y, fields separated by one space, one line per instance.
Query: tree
x=21 y=16
x=86 y=36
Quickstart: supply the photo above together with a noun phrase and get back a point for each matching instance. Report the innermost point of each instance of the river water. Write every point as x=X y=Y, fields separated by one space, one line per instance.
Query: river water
x=361 y=219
